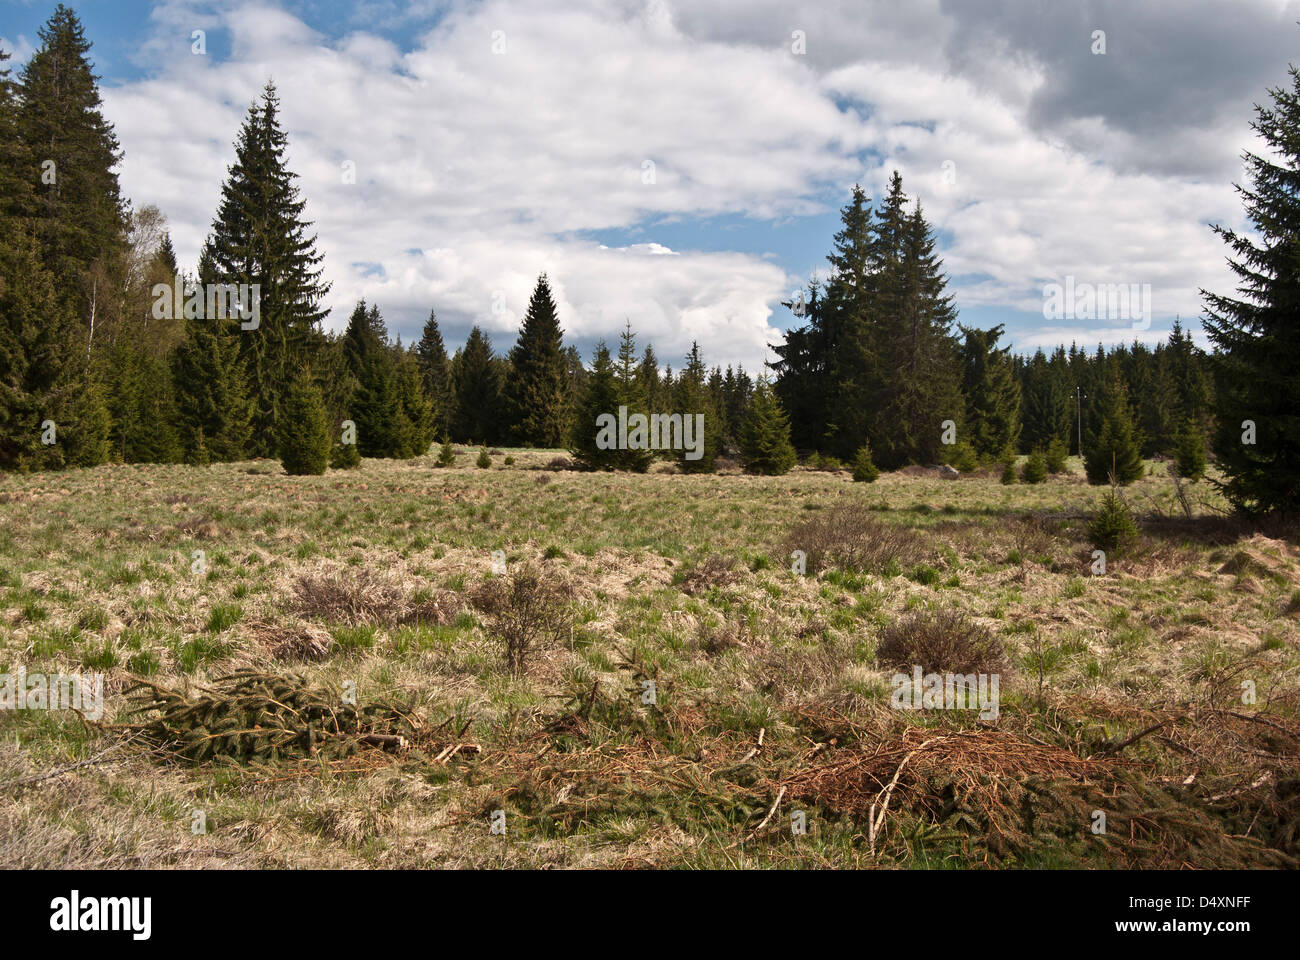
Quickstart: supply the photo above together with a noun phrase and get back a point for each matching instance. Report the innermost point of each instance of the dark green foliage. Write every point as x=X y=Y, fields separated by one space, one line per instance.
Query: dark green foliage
x=434 y=368
x=259 y=236
x=142 y=407
x=692 y=398
x=1189 y=456
x=1111 y=444
x=992 y=421
x=864 y=470
x=876 y=361
x=535 y=390
x=1112 y=527
x=483 y=461
x=44 y=371
x=600 y=396
x=415 y=425
x=446 y=455
x=1057 y=453
x=765 y=434
x=1047 y=410
x=1257 y=334
x=214 y=411
x=394 y=416
x=963 y=457
x=1008 y=461
x=1035 y=468
x=478 y=391
x=70 y=153
x=304 y=440
x=345 y=456
x=627 y=377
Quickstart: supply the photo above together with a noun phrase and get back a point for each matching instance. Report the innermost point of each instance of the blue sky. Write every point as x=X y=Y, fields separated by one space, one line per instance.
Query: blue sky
x=494 y=140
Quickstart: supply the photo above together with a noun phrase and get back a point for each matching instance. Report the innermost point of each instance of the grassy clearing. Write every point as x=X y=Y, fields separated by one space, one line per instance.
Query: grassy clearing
x=650 y=683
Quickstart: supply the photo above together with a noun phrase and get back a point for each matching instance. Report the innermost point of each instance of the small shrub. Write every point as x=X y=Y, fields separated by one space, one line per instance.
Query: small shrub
x=940 y=642
x=1008 y=468
x=484 y=461
x=527 y=610
x=925 y=574
x=1112 y=527
x=864 y=471
x=446 y=455
x=964 y=458
x=1035 y=468
x=509 y=461
x=1189 y=456
x=1057 y=452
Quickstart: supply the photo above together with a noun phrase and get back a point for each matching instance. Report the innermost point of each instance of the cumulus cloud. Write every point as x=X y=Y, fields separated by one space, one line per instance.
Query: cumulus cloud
x=499 y=136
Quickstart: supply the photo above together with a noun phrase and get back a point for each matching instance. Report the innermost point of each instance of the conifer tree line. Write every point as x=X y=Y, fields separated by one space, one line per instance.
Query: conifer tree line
x=877 y=371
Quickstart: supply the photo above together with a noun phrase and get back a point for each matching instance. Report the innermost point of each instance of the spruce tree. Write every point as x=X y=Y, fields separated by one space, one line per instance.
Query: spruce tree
x=864 y=468
x=992 y=423
x=692 y=399
x=1045 y=412
x=600 y=396
x=1111 y=443
x=1189 y=454
x=801 y=374
x=534 y=391
x=17 y=182
x=920 y=384
x=765 y=434
x=304 y=440
x=478 y=391
x=850 y=335
x=432 y=356
x=70 y=154
x=416 y=408
x=259 y=236
x=1257 y=334
x=627 y=375
x=376 y=407
x=649 y=377
x=1035 y=468
x=1190 y=381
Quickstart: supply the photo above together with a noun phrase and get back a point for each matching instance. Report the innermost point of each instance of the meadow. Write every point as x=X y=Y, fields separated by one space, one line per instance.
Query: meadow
x=571 y=669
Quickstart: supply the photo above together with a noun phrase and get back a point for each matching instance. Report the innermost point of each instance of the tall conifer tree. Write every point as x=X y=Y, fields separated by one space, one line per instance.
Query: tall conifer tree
x=534 y=391
x=259 y=236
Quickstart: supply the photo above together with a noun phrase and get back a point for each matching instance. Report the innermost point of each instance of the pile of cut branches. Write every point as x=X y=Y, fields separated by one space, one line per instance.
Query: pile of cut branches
x=248 y=716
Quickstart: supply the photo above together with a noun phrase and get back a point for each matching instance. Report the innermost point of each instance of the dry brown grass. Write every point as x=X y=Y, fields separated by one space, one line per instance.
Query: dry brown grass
x=851 y=537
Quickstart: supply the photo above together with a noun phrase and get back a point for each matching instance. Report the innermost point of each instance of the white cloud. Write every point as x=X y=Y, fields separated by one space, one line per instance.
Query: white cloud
x=477 y=170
